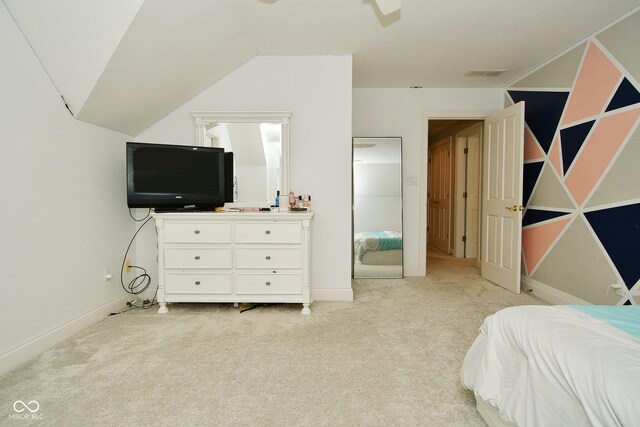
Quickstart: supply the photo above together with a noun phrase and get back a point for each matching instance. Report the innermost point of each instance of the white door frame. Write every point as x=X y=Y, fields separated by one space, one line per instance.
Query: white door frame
x=424 y=151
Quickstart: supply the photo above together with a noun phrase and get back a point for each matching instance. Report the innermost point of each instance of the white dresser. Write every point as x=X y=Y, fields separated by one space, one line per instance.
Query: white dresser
x=234 y=257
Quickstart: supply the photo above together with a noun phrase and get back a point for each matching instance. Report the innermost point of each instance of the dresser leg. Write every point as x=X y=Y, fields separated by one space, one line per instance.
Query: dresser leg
x=236 y=304
x=305 y=309
x=163 y=308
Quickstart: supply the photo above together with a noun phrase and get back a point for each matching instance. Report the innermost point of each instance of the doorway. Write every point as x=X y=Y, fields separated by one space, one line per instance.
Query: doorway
x=501 y=210
x=453 y=187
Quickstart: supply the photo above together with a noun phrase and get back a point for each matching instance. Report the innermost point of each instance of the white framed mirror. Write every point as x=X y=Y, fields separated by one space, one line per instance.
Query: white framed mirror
x=259 y=141
x=377 y=208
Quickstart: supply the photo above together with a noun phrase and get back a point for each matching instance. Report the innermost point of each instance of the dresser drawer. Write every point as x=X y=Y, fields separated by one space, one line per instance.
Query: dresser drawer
x=183 y=232
x=197 y=258
x=198 y=283
x=247 y=283
x=268 y=232
x=268 y=258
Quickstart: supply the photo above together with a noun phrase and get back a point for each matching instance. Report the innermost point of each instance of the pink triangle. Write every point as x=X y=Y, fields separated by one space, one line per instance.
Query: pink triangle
x=537 y=240
x=532 y=150
x=597 y=79
x=554 y=155
x=598 y=151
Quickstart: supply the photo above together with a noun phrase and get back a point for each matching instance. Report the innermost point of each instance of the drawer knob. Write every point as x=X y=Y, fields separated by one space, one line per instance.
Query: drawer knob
x=196 y=231
x=197 y=282
x=268 y=283
x=197 y=257
x=267 y=232
x=268 y=257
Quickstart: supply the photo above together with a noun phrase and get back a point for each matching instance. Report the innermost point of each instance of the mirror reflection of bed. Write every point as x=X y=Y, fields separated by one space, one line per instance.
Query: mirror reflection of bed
x=377 y=208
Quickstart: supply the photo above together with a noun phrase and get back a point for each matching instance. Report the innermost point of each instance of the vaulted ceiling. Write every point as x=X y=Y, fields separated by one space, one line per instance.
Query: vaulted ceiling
x=125 y=64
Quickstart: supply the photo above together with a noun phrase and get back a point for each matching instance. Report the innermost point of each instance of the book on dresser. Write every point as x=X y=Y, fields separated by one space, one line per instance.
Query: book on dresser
x=234 y=257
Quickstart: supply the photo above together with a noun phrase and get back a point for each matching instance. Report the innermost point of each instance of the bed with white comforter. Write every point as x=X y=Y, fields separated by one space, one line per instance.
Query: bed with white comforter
x=378 y=247
x=559 y=365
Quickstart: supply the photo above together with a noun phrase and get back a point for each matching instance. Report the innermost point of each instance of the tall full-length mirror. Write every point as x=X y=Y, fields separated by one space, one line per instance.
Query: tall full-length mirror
x=377 y=208
x=259 y=142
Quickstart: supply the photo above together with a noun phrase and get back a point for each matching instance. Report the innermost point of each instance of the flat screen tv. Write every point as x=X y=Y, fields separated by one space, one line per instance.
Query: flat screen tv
x=176 y=177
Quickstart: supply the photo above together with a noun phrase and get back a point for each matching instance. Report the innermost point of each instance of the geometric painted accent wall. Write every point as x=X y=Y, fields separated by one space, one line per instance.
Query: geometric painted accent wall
x=538 y=239
x=579 y=139
x=542 y=114
x=618 y=229
x=572 y=140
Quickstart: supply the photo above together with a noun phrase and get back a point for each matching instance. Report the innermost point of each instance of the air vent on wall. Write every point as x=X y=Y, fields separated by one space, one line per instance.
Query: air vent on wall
x=477 y=72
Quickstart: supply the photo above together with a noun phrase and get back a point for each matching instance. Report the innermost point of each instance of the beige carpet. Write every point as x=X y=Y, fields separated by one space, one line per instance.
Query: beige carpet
x=391 y=357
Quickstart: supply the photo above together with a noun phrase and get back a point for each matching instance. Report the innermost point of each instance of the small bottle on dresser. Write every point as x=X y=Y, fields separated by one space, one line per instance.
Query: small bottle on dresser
x=292 y=200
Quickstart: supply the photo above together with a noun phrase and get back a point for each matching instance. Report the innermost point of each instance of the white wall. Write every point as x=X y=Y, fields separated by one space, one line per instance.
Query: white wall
x=63 y=217
x=75 y=39
x=317 y=90
x=400 y=112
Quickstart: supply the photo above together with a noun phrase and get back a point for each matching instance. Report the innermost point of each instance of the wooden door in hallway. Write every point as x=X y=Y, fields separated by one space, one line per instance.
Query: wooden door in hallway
x=439 y=195
x=466 y=189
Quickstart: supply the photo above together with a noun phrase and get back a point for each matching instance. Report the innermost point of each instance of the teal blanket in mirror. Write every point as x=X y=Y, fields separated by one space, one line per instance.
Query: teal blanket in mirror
x=376 y=241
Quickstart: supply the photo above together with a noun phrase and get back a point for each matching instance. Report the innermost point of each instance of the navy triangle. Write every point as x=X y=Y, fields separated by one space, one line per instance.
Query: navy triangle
x=530 y=174
x=571 y=139
x=619 y=232
x=533 y=216
x=626 y=95
x=542 y=112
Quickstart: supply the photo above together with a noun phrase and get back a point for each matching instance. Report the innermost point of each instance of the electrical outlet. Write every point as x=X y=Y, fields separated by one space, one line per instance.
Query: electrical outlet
x=127 y=266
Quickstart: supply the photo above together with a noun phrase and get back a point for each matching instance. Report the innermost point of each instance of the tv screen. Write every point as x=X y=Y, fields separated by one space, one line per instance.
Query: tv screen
x=173 y=177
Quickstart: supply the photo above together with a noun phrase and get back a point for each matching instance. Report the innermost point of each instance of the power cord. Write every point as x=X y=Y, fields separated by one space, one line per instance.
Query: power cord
x=142 y=219
x=141 y=282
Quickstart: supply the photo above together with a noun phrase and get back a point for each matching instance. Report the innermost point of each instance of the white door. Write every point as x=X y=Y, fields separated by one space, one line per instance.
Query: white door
x=439 y=194
x=502 y=197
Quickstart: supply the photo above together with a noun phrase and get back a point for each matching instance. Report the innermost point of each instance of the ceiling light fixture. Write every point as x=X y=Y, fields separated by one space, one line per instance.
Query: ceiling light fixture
x=388 y=6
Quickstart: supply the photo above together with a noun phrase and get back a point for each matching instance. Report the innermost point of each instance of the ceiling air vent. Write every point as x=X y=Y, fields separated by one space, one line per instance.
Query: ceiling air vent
x=477 y=72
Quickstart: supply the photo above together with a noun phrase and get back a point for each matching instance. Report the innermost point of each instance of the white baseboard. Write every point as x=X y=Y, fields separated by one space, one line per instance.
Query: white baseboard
x=332 y=294
x=549 y=294
x=34 y=347
x=412 y=272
